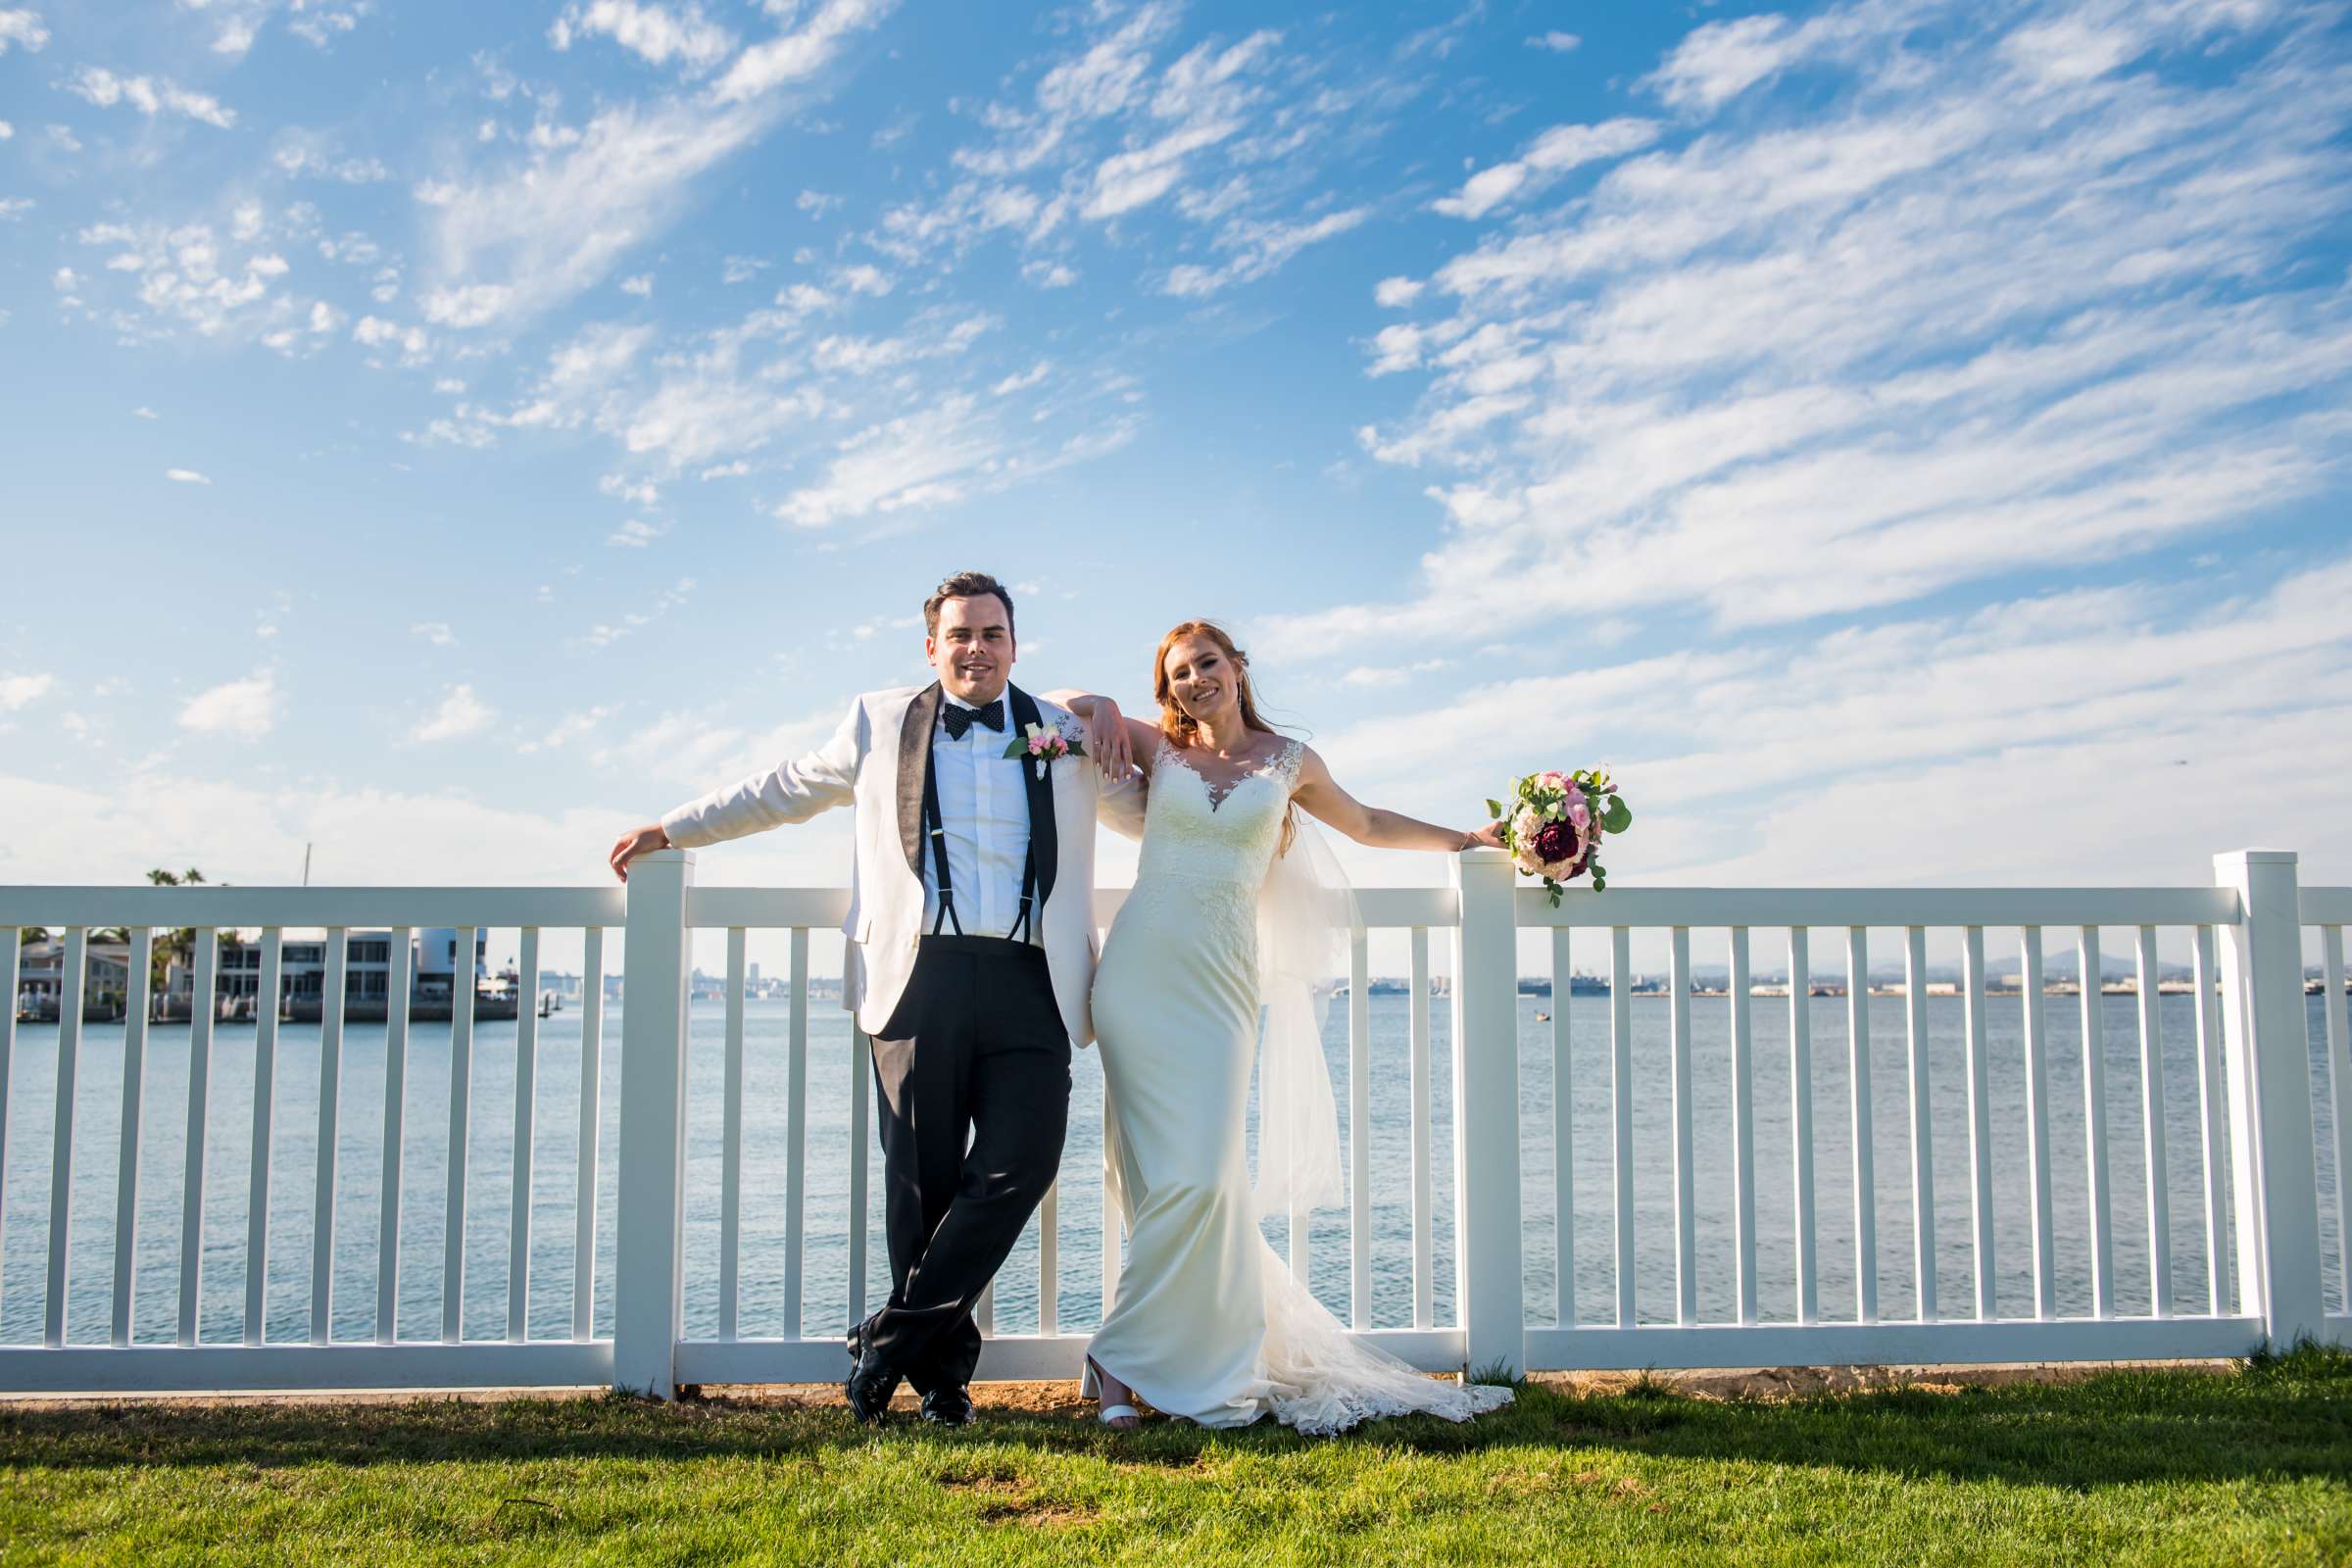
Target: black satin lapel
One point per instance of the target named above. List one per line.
(915, 754)
(1043, 837)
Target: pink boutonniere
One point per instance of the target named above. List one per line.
(1043, 745)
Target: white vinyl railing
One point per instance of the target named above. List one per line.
(2255, 1140)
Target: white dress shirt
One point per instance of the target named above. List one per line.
(984, 807)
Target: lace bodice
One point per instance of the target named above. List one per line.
(1215, 833)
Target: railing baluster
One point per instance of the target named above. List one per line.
(1801, 1120)
(1686, 1226)
(2339, 1090)
(861, 1069)
(141, 960)
(1865, 1194)
(795, 1132)
(2094, 1126)
(730, 1143)
(1621, 1093)
(1743, 1127)
(1923, 1135)
(461, 1094)
(266, 1002)
(1359, 1131)
(399, 980)
(10, 945)
(1424, 1270)
(203, 1004)
(1110, 1216)
(1980, 1126)
(1049, 1262)
(331, 1079)
(2151, 1116)
(2038, 1127)
(2212, 1115)
(61, 1152)
(583, 1219)
(526, 1082)
(1563, 1138)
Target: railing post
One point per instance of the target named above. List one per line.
(648, 1264)
(2274, 1166)
(1485, 1114)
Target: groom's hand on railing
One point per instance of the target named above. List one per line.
(635, 842)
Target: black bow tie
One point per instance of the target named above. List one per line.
(960, 719)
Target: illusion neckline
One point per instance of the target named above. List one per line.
(1218, 796)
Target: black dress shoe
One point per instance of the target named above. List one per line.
(948, 1406)
(869, 1388)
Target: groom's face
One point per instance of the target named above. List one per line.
(972, 648)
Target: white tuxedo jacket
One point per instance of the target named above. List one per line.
(874, 765)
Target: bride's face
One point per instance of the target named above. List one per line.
(1204, 681)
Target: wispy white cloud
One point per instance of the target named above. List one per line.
(655, 33)
(185, 476)
(797, 55)
(510, 243)
(303, 156)
(21, 691)
(149, 96)
(637, 533)
(1996, 738)
(917, 460)
(1554, 153)
(1953, 320)
(247, 708)
(436, 632)
(570, 727)
(1257, 249)
(460, 713)
(22, 26)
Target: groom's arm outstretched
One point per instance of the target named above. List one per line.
(789, 792)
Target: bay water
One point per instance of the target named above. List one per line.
(30, 1112)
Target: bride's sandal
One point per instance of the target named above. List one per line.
(1119, 1416)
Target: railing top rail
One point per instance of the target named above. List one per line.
(708, 909)
(1881, 907)
(2326, 905)
(63, 905)
(770, 908)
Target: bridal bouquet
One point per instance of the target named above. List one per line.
(1553, 822)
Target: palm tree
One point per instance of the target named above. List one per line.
(180, 943)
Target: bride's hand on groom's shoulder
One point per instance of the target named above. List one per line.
(635, 842)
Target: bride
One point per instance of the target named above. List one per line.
(1209, 1324)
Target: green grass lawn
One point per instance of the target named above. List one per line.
(2153, 1466)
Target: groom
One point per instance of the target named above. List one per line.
(967, 970)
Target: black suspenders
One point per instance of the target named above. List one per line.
(935, 830)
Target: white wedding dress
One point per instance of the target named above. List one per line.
(1208, 1322)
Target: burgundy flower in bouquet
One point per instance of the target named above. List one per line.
(1554, 822)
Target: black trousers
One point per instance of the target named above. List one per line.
(975, 1051)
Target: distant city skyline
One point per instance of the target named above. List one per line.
(1906, 439)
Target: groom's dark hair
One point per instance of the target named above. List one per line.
(965, 585)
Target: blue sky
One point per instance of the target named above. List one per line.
(1905, 439)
